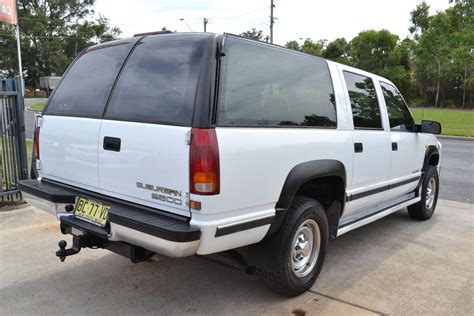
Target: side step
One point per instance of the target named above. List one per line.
(347, 227)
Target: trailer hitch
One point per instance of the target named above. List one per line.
(62, 253)
(87, 240)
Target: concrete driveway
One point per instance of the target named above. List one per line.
(393, 266)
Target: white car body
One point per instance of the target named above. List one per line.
(254, 165)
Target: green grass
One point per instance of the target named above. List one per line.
(29, 144)
(37, 107)
(7, 141)
(453, 122)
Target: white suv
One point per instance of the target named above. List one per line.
(197, 143)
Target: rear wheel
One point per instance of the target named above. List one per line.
(424, 209)
(296, 254)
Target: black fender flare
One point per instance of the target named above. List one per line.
(430, 152)
(301, 174)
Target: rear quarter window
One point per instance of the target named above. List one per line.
(86, 86)
(270, 86)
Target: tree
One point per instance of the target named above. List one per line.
(371, 50)
(443, 66)
(256, 35)
(53, 32)
(313, 48)
(461, 66)
(338, 51)
(309, 46)
(293, 45)
(420, 19)
(382, 53)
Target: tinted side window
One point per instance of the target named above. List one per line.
(365, 107)
(86, 86)
(268, 86)
(398, 113)
(158, 82)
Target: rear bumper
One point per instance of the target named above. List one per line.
(155, 230)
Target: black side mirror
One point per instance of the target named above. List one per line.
(429, 127)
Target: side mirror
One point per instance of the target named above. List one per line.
(429, 127)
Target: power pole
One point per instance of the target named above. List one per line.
(271, 20)
(205, 24)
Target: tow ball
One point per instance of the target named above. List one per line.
(62, 253)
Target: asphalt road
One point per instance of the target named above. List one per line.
(393, 266)
(457, 171)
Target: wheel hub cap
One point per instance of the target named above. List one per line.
(305, 250)
(430, 193)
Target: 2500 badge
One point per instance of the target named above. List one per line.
(162, 194)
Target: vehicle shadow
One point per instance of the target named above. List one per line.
(113, 285)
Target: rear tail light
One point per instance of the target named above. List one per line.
(204, 162)
(36, 143)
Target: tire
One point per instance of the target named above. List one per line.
(424, 209)
(291, 270)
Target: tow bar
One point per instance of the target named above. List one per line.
(62, 253)
(134, 253)
(79, 242)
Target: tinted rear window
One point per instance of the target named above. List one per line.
(269, 86)
(86, 86)
(159, 81)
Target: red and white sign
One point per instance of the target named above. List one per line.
(8, 12)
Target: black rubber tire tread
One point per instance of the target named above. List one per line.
(419, 211)
(277, 275)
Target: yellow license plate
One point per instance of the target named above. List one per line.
(92, 211)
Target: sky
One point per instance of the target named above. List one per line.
(297, 19)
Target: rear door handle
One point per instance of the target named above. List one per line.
(358, 147)
(394, 146)
(112, 143)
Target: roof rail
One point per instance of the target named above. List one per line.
(164, 31)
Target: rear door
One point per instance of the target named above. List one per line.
(71, 121)
(143, 149)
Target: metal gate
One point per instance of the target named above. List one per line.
(13, 158)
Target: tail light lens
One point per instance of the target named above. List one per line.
(204, 162)
(36, 140)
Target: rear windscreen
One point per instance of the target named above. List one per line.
(86, 86)
(158, 82)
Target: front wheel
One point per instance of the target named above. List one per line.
(296, 254)
(424, 209)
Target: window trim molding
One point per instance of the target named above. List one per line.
(374, 129)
